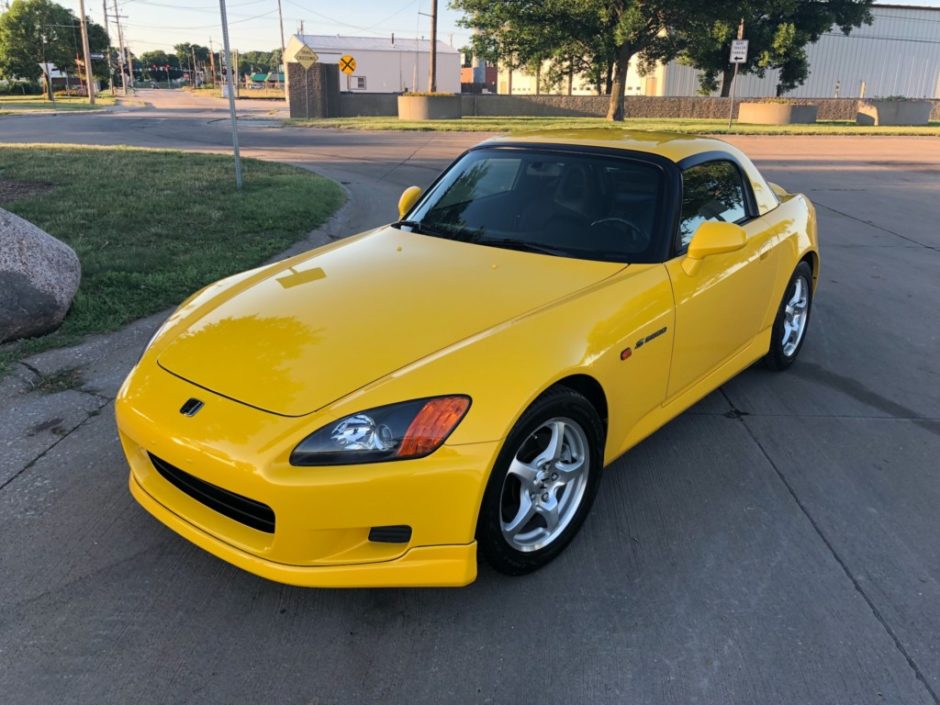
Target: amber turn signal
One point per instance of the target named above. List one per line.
(432, 425)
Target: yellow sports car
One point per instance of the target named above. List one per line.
(379, 410)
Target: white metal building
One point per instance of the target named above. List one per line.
(897, 55)
(383, 64)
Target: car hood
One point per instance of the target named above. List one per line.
(317, 327)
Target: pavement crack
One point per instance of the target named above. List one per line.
(92, 414)
(876, 226)
(918, 674)
(406, 159)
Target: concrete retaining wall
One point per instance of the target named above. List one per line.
(777, 114)
(368, 104)
(695, 107)
(424, 107)
(894, 112)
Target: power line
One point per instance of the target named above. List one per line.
(194, 27)
(875, 36)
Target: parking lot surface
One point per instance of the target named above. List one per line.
(778, 543)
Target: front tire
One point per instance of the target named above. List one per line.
(543, 484)
(789, 329)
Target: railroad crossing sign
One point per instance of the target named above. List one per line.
(739, 51)
(347, 64)
(306, 57)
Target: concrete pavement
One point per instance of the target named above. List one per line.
(778, 543)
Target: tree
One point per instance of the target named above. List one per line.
(777, 32)
(34, 33)
(608, 33)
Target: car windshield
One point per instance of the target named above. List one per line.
(581, 205)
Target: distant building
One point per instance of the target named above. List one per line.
(897, 55)
(383, 64)
(479, 77)
(59, 78)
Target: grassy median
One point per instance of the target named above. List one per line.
(18, 103)
(150, 227)
(523, 124)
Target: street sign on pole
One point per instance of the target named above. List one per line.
(306, 57)
(739, 51)
(738, 57)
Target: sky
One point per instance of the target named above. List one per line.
(253, 24)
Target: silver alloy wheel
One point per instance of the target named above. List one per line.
(795, 315)
(545, 484)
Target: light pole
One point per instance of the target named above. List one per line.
(231, 95)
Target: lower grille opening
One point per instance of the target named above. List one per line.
(242, 509)
(390, 534)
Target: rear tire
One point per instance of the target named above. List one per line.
(543, 484)
(789, 329)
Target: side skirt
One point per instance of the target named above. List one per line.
(754, 350)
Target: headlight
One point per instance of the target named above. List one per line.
(411, 429)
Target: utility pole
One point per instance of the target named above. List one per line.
(104, 11)
(87, 52)
(123, 55)
(281, 63)
(432, 64)
(192, 76)
(231, 96)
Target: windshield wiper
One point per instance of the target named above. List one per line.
(522, 246)
(422, 229)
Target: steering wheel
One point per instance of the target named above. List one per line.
(638, 239)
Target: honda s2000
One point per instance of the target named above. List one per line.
(378, 411)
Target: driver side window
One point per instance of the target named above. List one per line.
(710, 191)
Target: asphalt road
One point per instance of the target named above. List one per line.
(778, 543)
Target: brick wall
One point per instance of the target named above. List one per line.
(314, 92)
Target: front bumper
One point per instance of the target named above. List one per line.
(322, 515)
(422, 566)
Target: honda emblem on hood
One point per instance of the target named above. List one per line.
(191, 407)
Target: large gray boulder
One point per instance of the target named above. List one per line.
(39, 276)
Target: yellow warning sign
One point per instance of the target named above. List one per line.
(306, 57)
(347, 64)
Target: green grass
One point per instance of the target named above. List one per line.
(150, 227)
(17, 103)
(522, 124)
(243, 93)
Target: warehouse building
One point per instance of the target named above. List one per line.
(897, 55)
(383, 64)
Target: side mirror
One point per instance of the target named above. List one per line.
(713, 238)
(407, 200)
